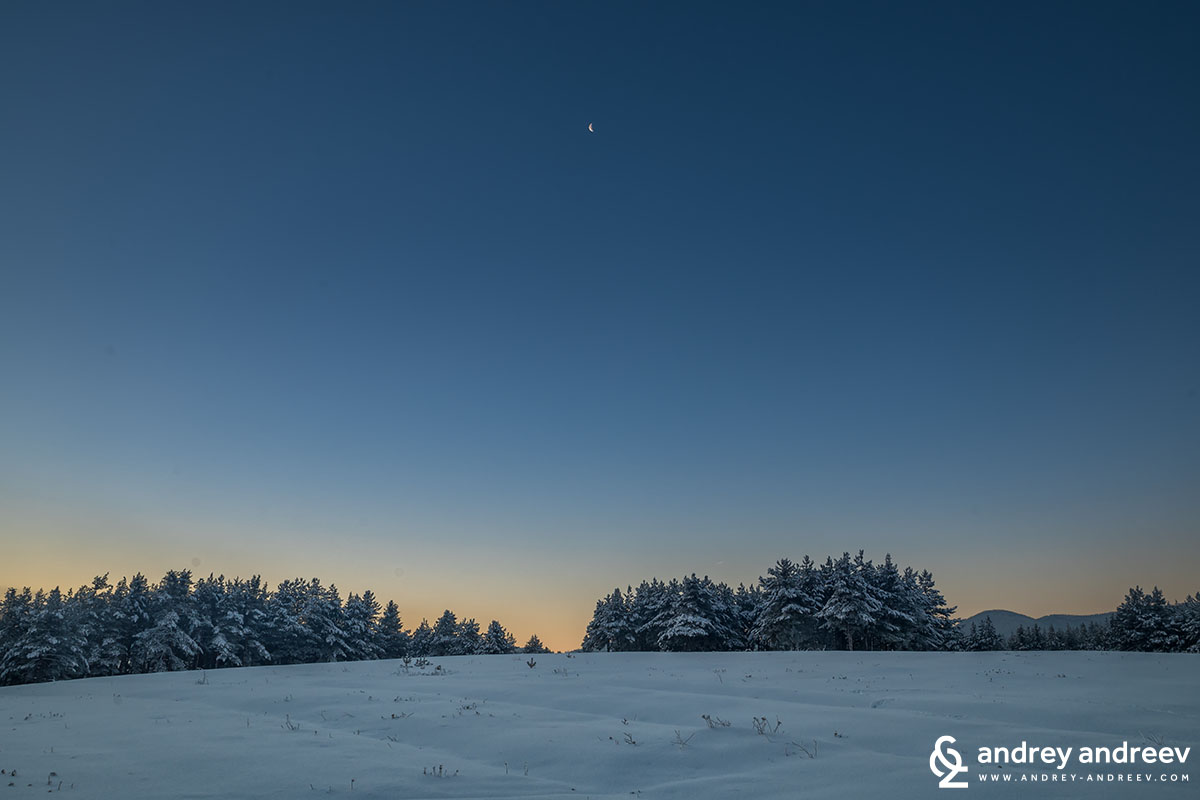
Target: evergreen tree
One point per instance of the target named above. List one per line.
(895, 625)
(497, 641)
(748, 601)
(785, 611)
(611, 627)
(360, 613)
(988, 638)
(89, 612)
(325, 620)
(1143, 622)
(470, 641)
(695, 622)
(220, 625)
(445, 636)
(851, 607)
(1189, 624)
(649, 611)
(534, 645)
(129, 618)
(167, 645)
(48, 648)
(285, 636)
(422, 643)
(390, 634)
(16, 618)
(936, 629)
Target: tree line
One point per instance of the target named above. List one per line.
(136, 627)
(852, 603)
(848, 603)
(1144, 622)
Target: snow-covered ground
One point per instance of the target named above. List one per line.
(598, 725)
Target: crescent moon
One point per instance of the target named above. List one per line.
(590, 128)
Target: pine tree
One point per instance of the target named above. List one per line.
(649, 611)
(611, 627)
(1189, 624)
(285, 635)
(470, 641)
(360, 613)
(48, 647)
(497, 641)
(895, 625)
(390, 635)
(851, 607)
(748, 600)
(325, 620)
(989, 639)
(167, 645)
(936, 628)
(129, 617)
(786, 611)
(695, 622)
(220, 624)
(16, 618)
(89, 614)
(421, 644)
(1144, 622)
(445, 636)
(534, 646)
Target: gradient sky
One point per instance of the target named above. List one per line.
(349, 290)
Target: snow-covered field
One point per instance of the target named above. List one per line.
(598, 725)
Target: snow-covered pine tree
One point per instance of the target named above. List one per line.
(497, 641)
(748, 600)
(470, 641)
(851, 607)
(665, 603)
(248, 598)
(1019, 639)
(1188, 615)
(218, 624)
(1037, 638)
(89, 611)
(594, 638)
(325, 619)
(390, 635)
(285, 635)
(16, 617)
(1131, 623)
(129, 612)
(896, 622)
(988, 638)
(611, 626)
(814, 583)
(1167, 635)
(167, 645)
(649, 610)
(445, 636)
(49, 647)
(941, 614)
(785, 611)
(360, 613)
(727, 616)
(534, 646)
(693, 624)
(421, 643)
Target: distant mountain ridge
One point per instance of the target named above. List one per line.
(1007, 622)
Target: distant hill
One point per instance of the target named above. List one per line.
(1007, 622)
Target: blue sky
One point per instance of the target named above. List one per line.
(352, 291)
